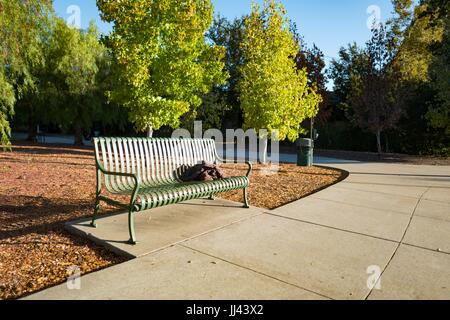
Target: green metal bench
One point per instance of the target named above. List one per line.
(149, 171)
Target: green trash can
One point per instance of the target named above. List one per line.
(305, 152)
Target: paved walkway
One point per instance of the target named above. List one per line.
(387, 220)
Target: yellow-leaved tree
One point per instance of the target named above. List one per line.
(274, 94)
(163, 63)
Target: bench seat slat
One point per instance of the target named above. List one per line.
(160, 196)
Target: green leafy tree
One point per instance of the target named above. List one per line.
(225, 99)
(310, 58)
(7, 100)
(109, 115)
(414, 55)
(313, 61)
(398, 25)
(163, 63)
(23, 26)
(366, 81)
(439, 113)
(352, 60)
(75, 57)
(373, 97)
(422, 59)
(274, 94)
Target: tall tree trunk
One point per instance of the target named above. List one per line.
(263, 152)
(150, 131)
(78, 133)
(312, 129)
(380, 150)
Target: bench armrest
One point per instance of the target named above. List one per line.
(120, 174)
(136, 179)
(248, 163)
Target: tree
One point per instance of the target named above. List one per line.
(313, 61)
(414, 56)
(372, 98)
(7, 100)
(310, 58)
(352, 60)
(109, 114)
(398, 26)
(163, 63)
(74, 61)
(365, 79)
(422, 60)
(23, 26)
(274, 94)
(225, 98)
(439, 113)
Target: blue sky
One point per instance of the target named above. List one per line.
(329, 24)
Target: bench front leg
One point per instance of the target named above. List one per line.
(131, 207)
(131, 230)
(97, 199)
(248, 174)
(131, 213)
(246, 202)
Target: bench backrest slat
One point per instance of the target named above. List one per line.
(155, 160)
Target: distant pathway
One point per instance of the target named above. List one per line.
(283, 157)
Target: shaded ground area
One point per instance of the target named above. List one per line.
(42, 187)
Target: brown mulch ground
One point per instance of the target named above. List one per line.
(42, 187)
(272, 187)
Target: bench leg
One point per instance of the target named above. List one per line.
(96, 210)
(212, 197)
(131, 227)
(246, 203)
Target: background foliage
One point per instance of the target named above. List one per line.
(169, 62)
(163, 63)
(416, 42)
(23, 30)
(274, 93)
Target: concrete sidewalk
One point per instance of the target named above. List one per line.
(387, 220)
